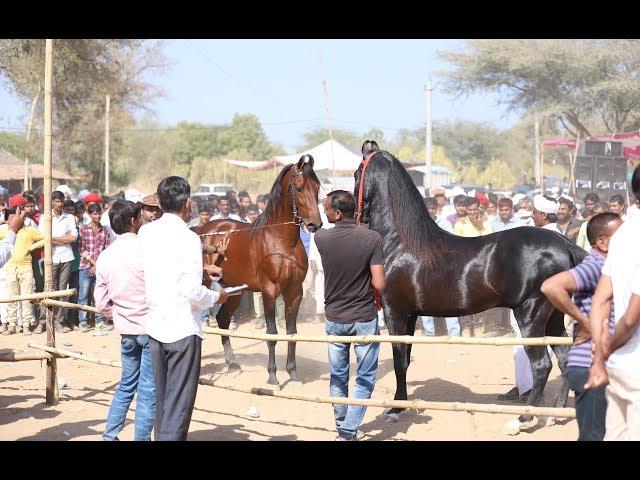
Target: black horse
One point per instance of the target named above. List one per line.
(432, 272)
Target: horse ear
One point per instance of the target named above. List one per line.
(310, 160)
(301, 162)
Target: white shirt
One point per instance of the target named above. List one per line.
(232, 216)
(633, 211)
(623, 267)
(553, 226)
(61, 226)
(444, 224)
(172, 258)
(105, 221)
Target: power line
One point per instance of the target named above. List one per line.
(232, 77)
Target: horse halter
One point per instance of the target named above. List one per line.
(364, 163)
(297, 219)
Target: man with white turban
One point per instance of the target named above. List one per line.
(545, 210)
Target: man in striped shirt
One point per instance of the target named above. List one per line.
(581, 281)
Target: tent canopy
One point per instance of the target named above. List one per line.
(630, 142)
(329, 155)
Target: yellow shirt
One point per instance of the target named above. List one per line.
(467, 229)
(27, 239)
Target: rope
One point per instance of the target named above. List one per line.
(227, 232)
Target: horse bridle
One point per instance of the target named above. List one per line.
(297, 219)
(364, 163)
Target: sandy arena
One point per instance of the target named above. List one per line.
(438, 372)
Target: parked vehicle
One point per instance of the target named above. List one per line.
(207, 189)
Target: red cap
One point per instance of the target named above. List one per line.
(92, 198)
(17, 201)
(483, 198)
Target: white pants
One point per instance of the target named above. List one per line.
(524, 378)
(318, 287)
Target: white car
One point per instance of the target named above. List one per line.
(207, 189)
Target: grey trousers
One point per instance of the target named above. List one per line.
(176, 369)
(61, 275)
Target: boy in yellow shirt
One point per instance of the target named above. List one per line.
(19, 274)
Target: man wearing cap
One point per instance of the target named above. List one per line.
(18, 272)
(151, 209)
(67, 192)
(568, 225)
(545, 210)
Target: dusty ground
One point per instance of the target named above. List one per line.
(438, 373)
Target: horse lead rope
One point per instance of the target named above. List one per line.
(227, 232)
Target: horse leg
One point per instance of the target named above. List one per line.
(224, 318)
(411, 328)
(532, 317)
(556, 328)
(269, 295)
(292, 300)
(397, 323)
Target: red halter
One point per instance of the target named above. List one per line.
(365, 162)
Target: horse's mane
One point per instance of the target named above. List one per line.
(416, 229)
(276, 195)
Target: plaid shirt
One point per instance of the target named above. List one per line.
(92, 242)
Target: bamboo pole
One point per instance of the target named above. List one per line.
(39, 296)
(57, 303)
(51, 380)
(68, 353)
(409, 404)
(403, 339)
(23, 356)
(26, 143)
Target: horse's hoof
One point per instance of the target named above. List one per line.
(391, 417)
(275, 387)
(234, 367)
(546, 421)
(513, 427)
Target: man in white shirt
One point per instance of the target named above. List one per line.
(63, 233)
(172, 258)
(224, 208)
(620, 281)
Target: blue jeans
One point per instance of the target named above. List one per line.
(453, 326)
(591, 405)
(137, 375)
(86, 281)
(349, 417)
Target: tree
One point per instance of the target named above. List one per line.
(577, 83)
(84, 71)
(245, 133)
(498, 174)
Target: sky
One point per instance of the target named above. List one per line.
(370, 83)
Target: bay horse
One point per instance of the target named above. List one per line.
(269, 256)
(432, 272)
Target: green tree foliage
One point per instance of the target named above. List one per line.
(84, 72)
(246, 134)
(587, 86)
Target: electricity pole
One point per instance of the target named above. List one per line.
(427, 173)
(106, 146)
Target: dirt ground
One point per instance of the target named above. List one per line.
(438, 372)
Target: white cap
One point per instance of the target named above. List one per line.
(133, 195)
(545, 205)
(564, 195)
(517, 197)
(64, 189)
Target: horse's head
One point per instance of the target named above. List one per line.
(302, 185)
(366, 179)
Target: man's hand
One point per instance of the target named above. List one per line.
(583, 336)
(597, 375)
(213, 270)
(477, 222)
(92, 271)
(223, 297)
(223, 245)
(605, 347)
(16, 221)
(209, 249)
